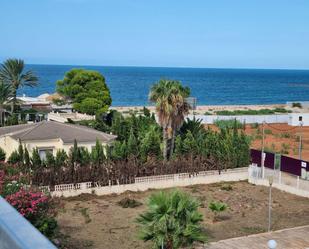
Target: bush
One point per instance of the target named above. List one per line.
(129, 203)
(11, 188)
(217, 207)
(296, 104)
(36, 208)
(228, 124)
(47, 226)
(14, 158)
(2, 155)
(172, 220)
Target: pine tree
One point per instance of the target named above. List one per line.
(132, 146)
(97, 153)
(50, 160)
(27, 158)
(35, 159)
(61, 157)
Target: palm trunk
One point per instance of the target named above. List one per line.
(165, 141)
(13, 101)
(172, 143)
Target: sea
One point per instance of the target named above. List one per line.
(129, 86)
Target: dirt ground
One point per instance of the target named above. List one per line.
(89, 221)
(279, 138)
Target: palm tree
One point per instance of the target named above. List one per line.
(12, 72)
(6, 94)
(171, 108)
(171, 221)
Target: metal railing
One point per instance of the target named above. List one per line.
(18, 233)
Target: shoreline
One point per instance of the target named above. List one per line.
(201, 109)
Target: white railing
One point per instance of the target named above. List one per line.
(281, 180)
(159, 181)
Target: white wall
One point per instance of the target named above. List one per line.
(155, 182)
(248, 119)
(294, 119)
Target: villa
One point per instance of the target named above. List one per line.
(50, 136)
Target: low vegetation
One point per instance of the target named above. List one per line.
(252, 112)
(171, 221)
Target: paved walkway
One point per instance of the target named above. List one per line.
(292, 238)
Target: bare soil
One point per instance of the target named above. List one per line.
(89, 221)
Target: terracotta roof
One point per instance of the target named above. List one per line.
(53, 130)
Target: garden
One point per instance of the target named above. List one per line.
(89, 221)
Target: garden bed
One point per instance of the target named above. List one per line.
(89, 221)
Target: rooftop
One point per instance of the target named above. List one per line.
(46, 130)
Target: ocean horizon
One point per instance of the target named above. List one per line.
(130, 85)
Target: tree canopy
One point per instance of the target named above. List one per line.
(86, 90)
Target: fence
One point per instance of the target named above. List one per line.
(248, 119)
(286, 164)
(284, 181)
(152, 182)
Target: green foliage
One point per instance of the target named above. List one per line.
(268, 132)
(50, 159)
(47, 226)
(35, 159)
(169, 97)
(172, 220)
(11, 188)
(87, 90)
(12, 72)
(217, 207)
(2, 154)
(14, 158)
(150, 144)
(296, 104)
(97, 153)
(27, 158)
(61, 158)
(228, 124)
(252, 112)
(129, 203)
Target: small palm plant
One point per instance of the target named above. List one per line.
(172, 221)
(217, 207)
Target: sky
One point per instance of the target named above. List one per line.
(167, 33)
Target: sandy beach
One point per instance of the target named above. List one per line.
(202, 109)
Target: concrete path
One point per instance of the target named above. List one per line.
(292, 238)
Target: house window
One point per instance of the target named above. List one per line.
(44, 151)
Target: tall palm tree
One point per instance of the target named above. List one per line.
(12, 72)
(6, 94)
(171, 108)
(171, 221)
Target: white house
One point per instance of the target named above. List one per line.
(50, 136)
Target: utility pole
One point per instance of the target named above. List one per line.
(262, 156)
(300, 140)
(269, 202)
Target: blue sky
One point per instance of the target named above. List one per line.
(180, 33)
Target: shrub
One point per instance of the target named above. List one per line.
(11, 188)
(14, 157)
(129, 203)
(172, 220)
(229, 124)
(217, 207)
(226, 187)
(2, 155)
(297, 104)
(36, 208)
(254, 125)
(268, 132)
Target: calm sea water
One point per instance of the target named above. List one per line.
(130, 85)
